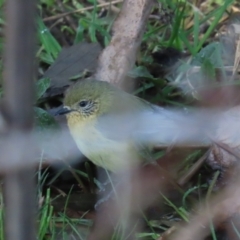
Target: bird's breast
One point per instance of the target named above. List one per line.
(110, 154)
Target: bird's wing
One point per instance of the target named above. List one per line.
(150, 125)
(164, 126)
(118, 126)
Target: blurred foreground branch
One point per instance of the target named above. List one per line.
(19, 189)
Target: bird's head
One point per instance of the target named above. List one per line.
(88, 99)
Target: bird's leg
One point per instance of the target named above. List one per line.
(113, 183)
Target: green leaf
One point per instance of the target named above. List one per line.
(43, 119)
(80, 31)
(42, 85)
(140, 71)
(49, 43)
(49, 3)
(211, 54)
(208, 69)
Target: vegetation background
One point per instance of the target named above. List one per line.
(184, 41)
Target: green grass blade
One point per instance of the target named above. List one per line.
(196, 29)
(214, 23)
(47, 41)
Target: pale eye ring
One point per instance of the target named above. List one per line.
(83, 103)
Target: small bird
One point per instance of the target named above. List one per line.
(114, 129)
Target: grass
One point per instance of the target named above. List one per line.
(52, 226)
(183, 32)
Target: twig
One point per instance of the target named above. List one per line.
(112, 7)
(80, 10)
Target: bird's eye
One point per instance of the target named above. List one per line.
(83, 103)
(87, 107)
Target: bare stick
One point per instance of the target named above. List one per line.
(119, 57)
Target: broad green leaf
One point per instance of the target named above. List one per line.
(140, 71)
(42, 85)
(49, 43)
(212, 53)
(43, 119)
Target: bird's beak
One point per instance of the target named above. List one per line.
(63, 110)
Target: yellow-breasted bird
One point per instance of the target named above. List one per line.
(112, 128)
